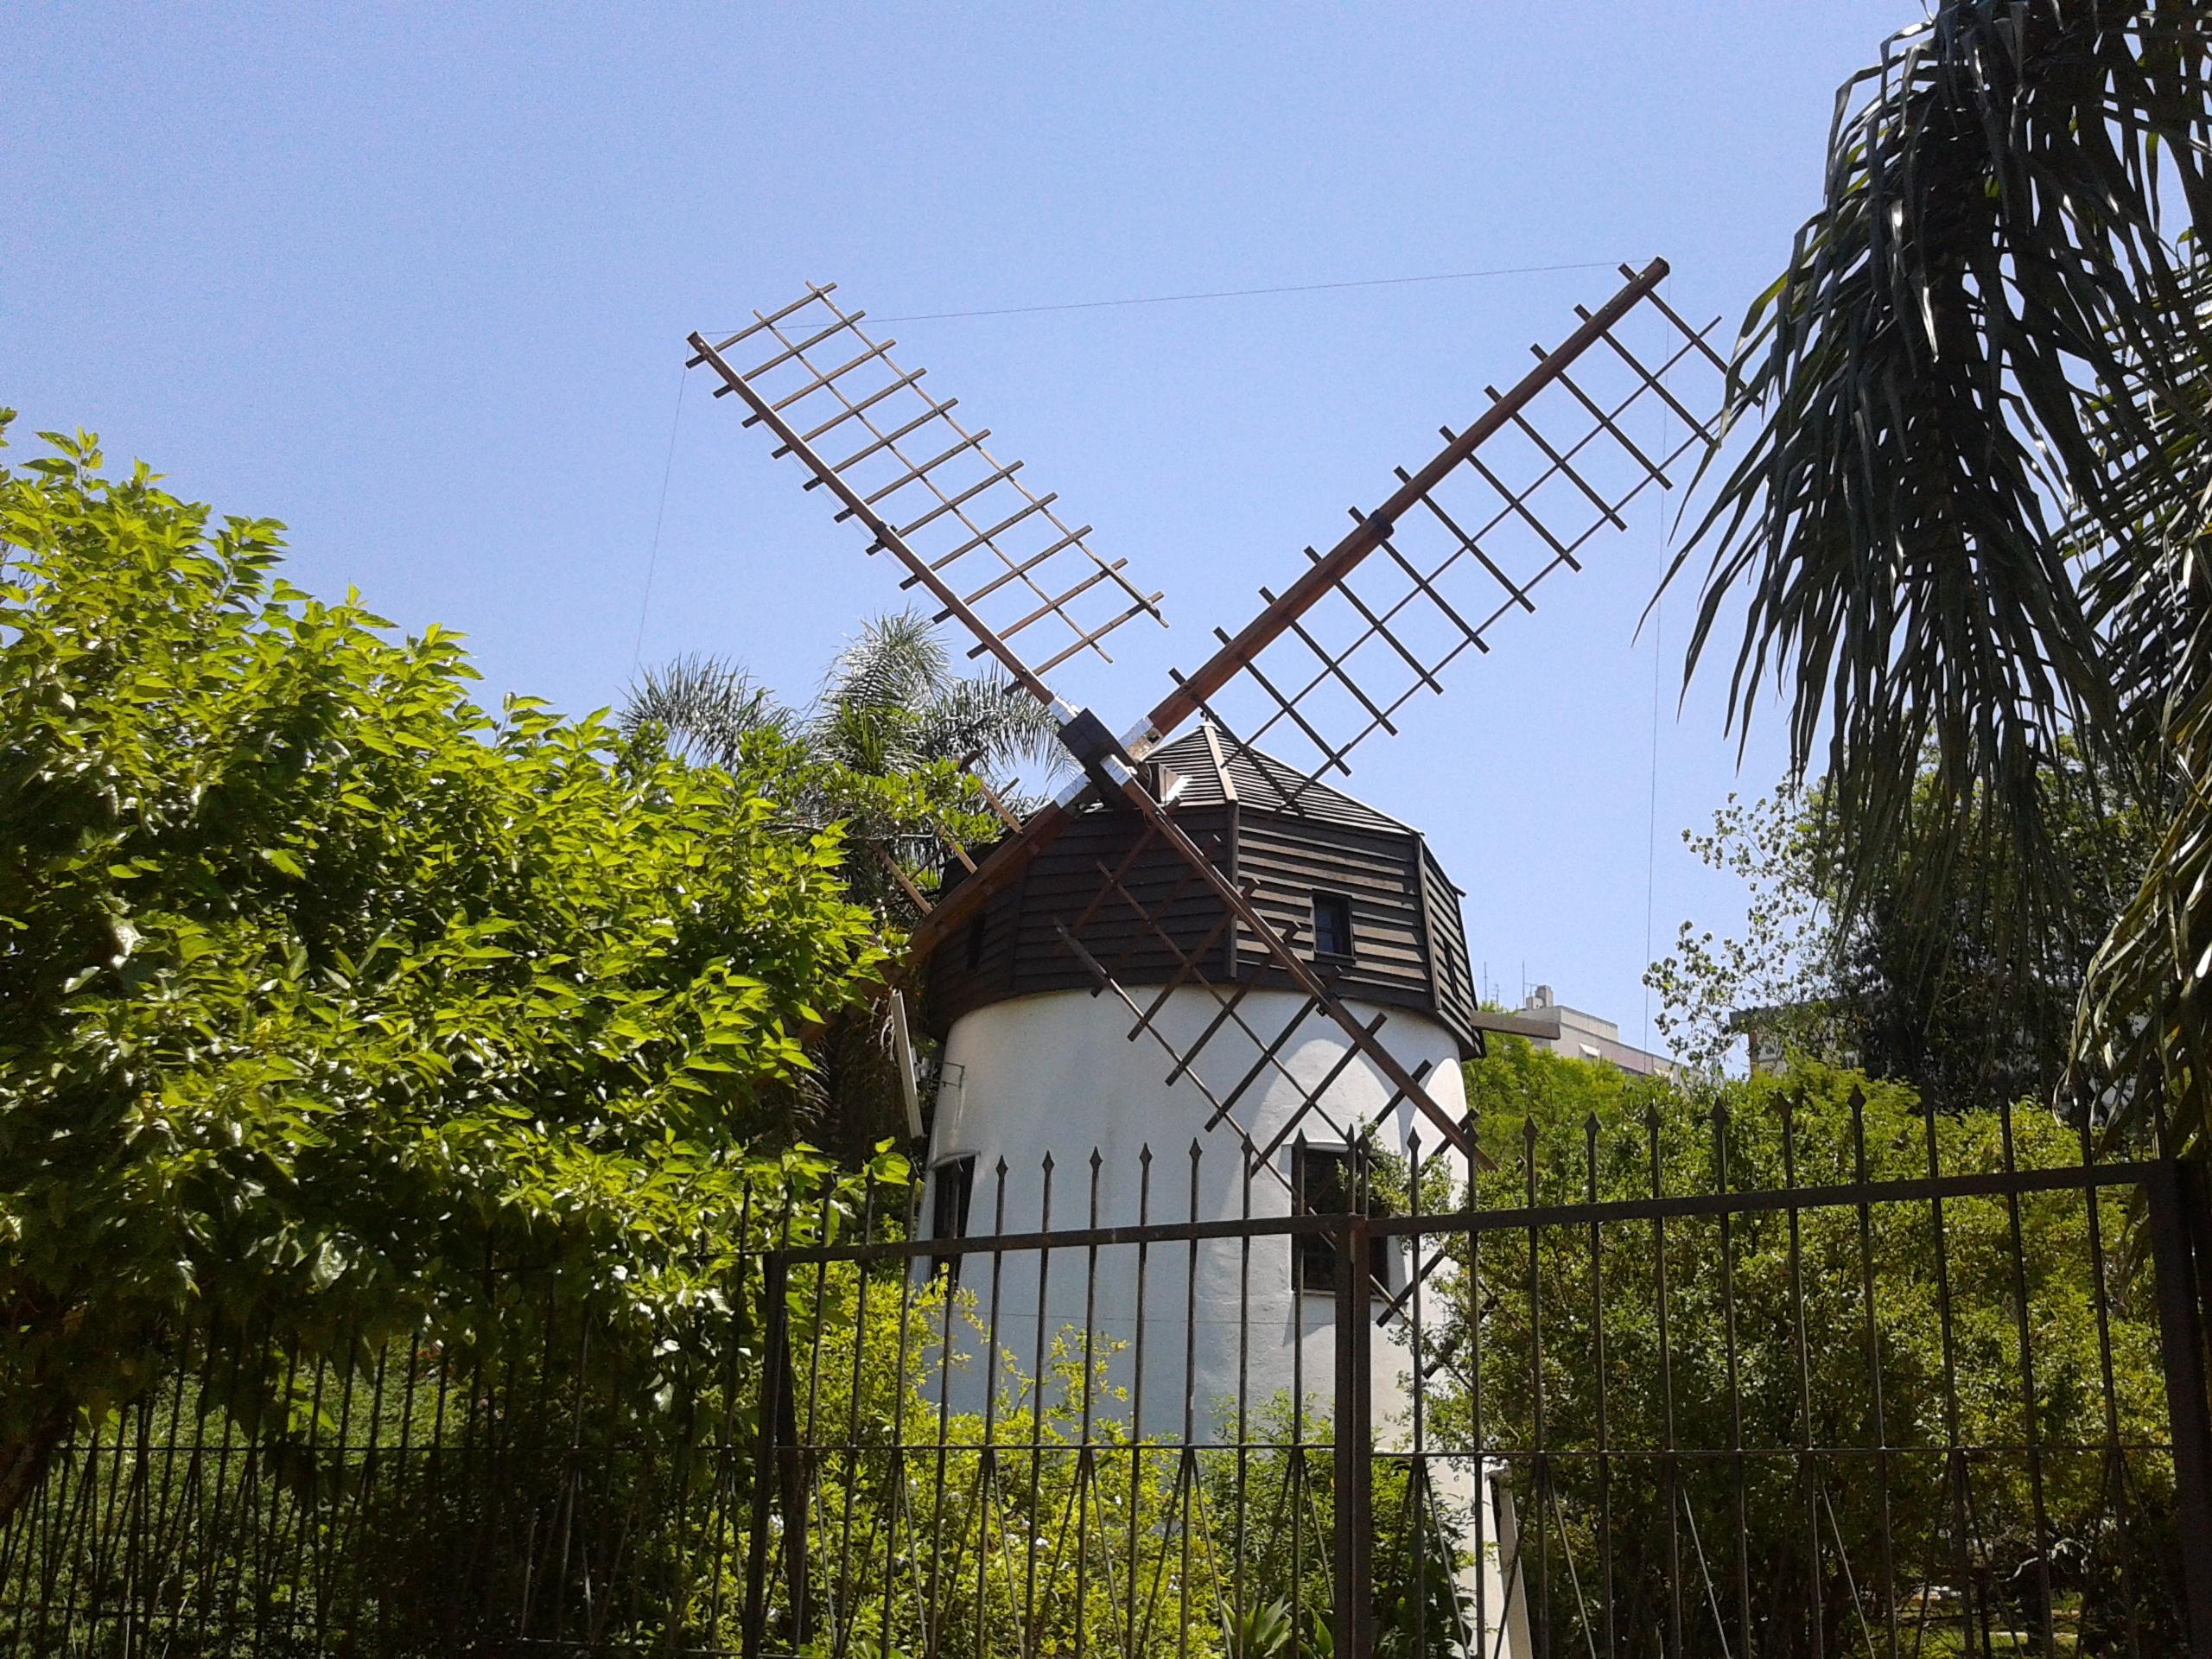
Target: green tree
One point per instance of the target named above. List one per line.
(1965, 512)
(900, 752)
(1784, 1327)
(1911, 980)
(323, 991)
(891, 706)
(1776, 972)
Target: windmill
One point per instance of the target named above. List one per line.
(1202, 938)
(1327, 664)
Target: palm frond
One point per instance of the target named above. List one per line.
(896, 661)
(994, 720)
(707, 705)
(2143, 1035)
(1953, 415)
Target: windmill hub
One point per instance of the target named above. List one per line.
(1105, 763)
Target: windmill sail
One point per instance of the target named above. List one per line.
(1549, 467)
(995, 556)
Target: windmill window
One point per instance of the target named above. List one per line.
(952, 1184)
(1332, 924)
(1335, 1181)
(976, 945)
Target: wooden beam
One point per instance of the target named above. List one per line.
(1315, 582)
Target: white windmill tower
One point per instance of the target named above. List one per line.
(1202, 943)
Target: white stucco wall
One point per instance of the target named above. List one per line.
(1057, 1074)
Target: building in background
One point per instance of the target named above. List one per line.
(1549, 1023)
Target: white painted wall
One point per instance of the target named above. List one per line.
(1057, 1074)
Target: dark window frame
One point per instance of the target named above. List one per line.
(1313, 1256)
(1332, 930)
(952, 1191)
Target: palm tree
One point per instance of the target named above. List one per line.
(892, 708)
(1968, 486)
(893, 701)
(706, 708)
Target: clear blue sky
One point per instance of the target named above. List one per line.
(415, 280)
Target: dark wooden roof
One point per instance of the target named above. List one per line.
(1264, 824)
(1217, 772)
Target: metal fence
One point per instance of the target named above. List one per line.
(1692, 1391)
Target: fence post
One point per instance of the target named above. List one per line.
(792, 1473)
(775, 1272)
(1354, 1448)
(2181, 1338)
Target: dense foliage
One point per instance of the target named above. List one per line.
(1829, 1328)
(327, 999)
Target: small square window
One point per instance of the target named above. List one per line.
(952, 1184)
(1332, 924)
(1334, 1181)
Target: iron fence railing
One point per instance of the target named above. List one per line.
(1784, 1400)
